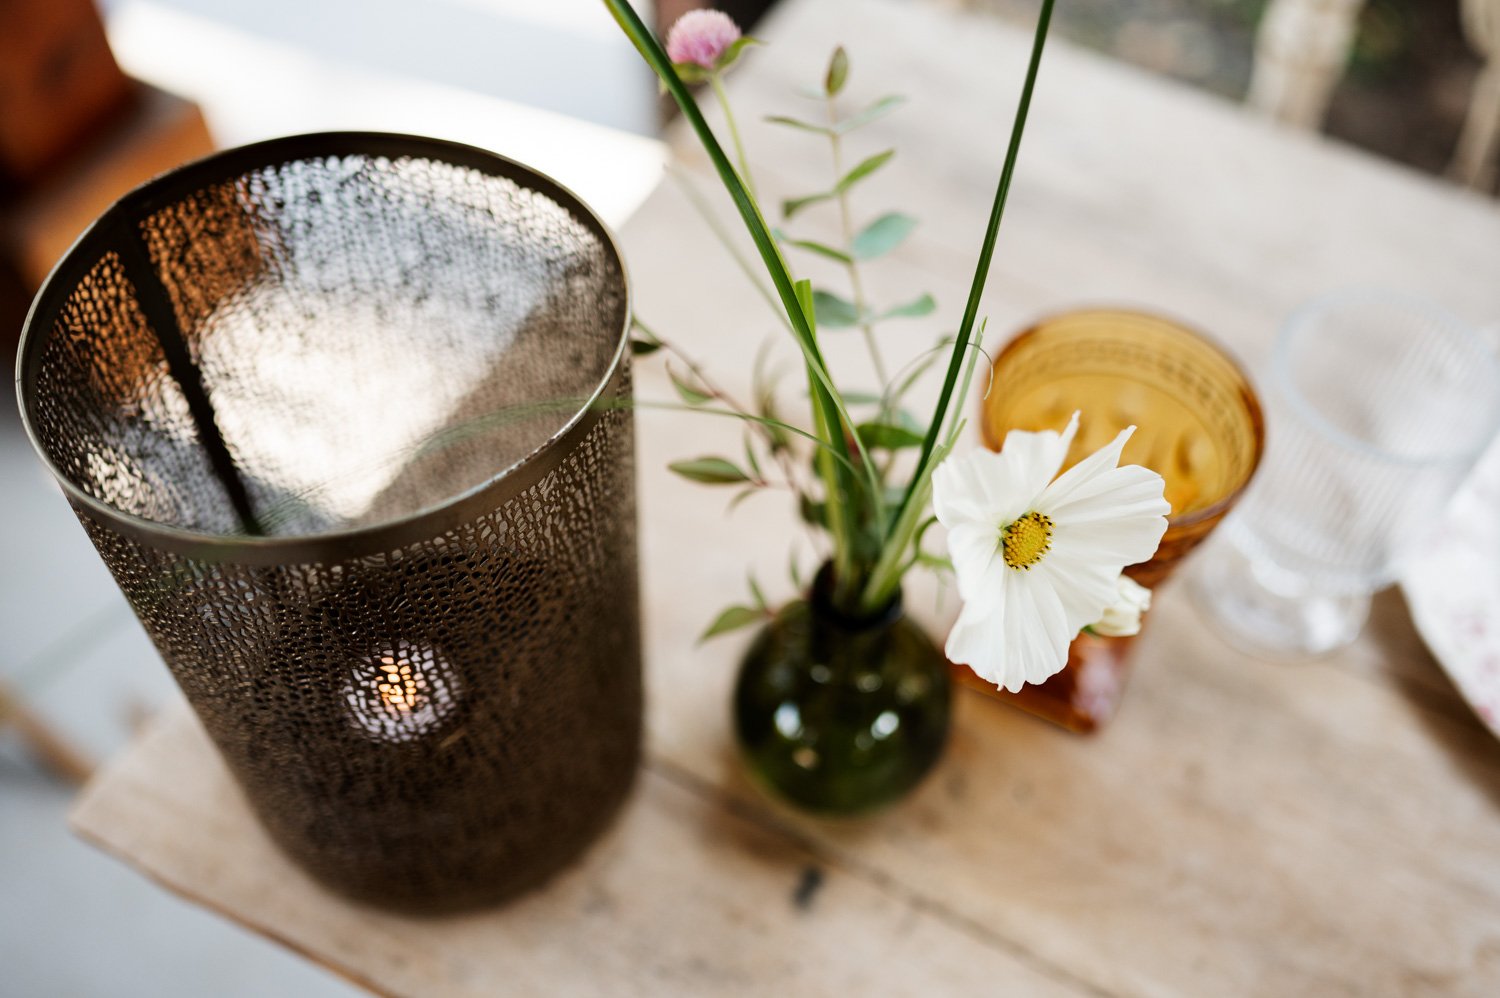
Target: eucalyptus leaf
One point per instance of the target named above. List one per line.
(863, 170)
(838, 72)
(914, 309)
(760, 597)
(750, 460)
(882, 235)
(806, 126)
(732, 619)
(642, 348)
(879, 109)
(834, 312)
(813, 247)
(814, 512)
(690, 394)
(888, 436)
(790, 207)
(710, 471)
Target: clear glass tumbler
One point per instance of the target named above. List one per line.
(1377, 406)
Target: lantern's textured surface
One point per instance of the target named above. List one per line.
(347, 417)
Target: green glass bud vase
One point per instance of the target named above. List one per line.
(841, 715)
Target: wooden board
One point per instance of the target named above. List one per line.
(1242, 828)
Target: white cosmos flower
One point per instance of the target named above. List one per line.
(1038, 559)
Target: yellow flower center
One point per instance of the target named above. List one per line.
(1023, 543)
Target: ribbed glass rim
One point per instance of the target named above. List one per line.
(1253, 408)
(1303, 319)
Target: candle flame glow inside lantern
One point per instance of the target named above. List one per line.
(402, 692)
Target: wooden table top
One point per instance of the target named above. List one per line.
(1242, 827)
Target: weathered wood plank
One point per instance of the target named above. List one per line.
(680, 897)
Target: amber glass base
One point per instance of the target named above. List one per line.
(1083, 696)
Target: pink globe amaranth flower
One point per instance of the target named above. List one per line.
(701, 37)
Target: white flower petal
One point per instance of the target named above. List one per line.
(1106, 458)
(1112, 544)
(974, 550)
(995, 488)
(1122, 618)
(1084, 587)
(978, 641)
(1036, 458)
(1111, 493)
(1038, 638)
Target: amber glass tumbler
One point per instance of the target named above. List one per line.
(1198, 424)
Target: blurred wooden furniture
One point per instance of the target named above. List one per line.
(75, 134)
(1474, 161)
(1301, 49)
(58, 82)
(1242, 828)
(50, 748)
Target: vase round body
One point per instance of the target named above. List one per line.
(841, 715)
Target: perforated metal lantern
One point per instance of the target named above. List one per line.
(344, 415)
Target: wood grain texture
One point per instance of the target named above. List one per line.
(1241, 828)
(681, 896)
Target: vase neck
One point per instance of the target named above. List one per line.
(849, 618)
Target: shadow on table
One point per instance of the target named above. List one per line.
(1436, 701)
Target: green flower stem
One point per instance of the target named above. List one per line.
(716, 80)
(885, 578)
(828, 405)
(922, 472)
(838, 523)
(706, 212)
(861, 305)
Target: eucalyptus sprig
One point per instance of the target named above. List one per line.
(875, 527)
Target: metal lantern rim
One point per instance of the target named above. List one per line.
(344, 543)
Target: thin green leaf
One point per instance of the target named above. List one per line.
(879, 109)
(888, 436)
(798, 123)
(863, 398)
(914, 309)
(882, 235)
(741, 497)
(710, 471)
(732, 619)
(813, 247)
(643, 348)
(733, 52)
(918, 368)
(750, 460)
(834, 312)
(760, 597)
(866, 167)
(793, 569)
(838, 72)
(921, 478)
(691, 394)
(792, 206)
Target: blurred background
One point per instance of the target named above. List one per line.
(96, 99)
